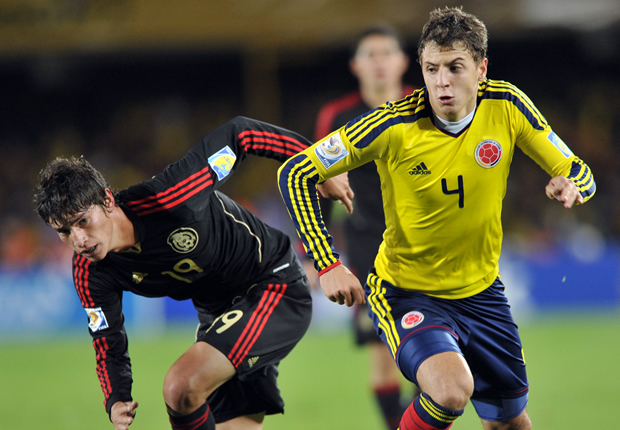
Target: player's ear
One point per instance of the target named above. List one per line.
(482, 69)
(109, 200)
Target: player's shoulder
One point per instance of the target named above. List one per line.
(512, 98)
(406, 110)
(495, 89)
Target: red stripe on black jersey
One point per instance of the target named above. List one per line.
(80, 278)
(254, 139)
(101, 347)
(257, 322)
(174, 195)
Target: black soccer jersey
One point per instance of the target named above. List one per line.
(194, 243)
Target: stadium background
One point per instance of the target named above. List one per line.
(132, 84)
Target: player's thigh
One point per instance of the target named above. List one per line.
(198, 372)
(411, 324)
(495, 356)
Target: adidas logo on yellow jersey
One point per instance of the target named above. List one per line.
(420, 169)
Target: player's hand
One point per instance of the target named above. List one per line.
(342, 286)
(337, 188)
(123, 414)
(564, 190)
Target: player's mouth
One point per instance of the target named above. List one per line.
(90, 252)
(445, 100)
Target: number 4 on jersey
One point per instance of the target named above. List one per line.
(460, 190)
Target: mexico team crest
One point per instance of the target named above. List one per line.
(411, 319)
(488, 153)
(183, 240)
(331, 151)
(222, 162)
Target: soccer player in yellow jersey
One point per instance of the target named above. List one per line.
(443, 154)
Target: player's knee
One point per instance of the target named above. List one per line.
(453, 392)
(455, 398)
(181, 395)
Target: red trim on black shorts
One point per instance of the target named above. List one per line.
(269, 301)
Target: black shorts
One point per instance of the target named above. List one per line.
(257, 331)
(363, 326)
(362, 246)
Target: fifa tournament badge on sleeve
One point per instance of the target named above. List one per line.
(222, 162)
(559, 144)
(330, 151)
(96, 319)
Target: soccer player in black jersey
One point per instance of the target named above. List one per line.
(379, 63)
(175, 235)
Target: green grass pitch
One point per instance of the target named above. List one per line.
(573, 366)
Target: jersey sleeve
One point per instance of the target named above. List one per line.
(335, 154)
(539, 142)
(103, 307)
(209, 163)
(229, 144)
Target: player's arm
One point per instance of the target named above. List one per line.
(103, 308)
(113, 362)
(216, 156)
(571, 179)
(267, 140)
(298, 179)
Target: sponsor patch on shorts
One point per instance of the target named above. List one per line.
(559, 143)
(96, 319)
(331, 151)
(411, 319)
(222, 162)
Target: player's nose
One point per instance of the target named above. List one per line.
(442, 78)
(79, 238)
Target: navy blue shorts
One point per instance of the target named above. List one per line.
(416, 326)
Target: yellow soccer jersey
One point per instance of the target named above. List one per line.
(442, 193)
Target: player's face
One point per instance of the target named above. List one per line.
(451, 77)
(89, 233)
(379, 63)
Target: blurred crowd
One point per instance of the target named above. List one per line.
(131, 129)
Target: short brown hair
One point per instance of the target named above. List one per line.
(452, 26)
(68, 186)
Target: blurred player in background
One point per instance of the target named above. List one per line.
(443, 154)
(175, 235)
(379, 62)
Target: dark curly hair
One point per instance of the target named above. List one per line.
(452, 26)
(68, 186)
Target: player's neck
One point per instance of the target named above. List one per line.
(375, 97)
(126, 235)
